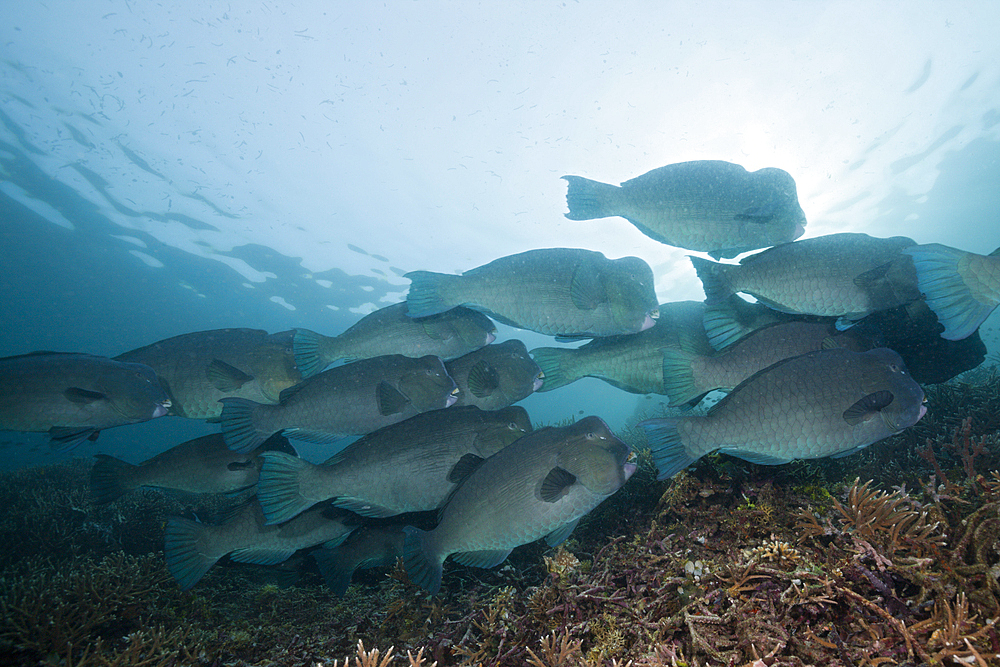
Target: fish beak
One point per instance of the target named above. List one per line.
(452, 398)
(162, 409)
(538, 382)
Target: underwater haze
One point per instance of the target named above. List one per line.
(181, 167)
(176, 167)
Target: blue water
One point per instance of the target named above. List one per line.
(173, 169)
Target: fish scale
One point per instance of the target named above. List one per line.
(825, 403)
(839, 275)
(554, 291)
(503, 503)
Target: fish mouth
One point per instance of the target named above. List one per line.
(538, 382)
(896, 428)
(650, 320)
(490, 337)
(452, 398)
(629, 469)
(799, 231)
(161, 409)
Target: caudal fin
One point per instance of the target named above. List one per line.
(307, 348)
(678, 378)
(279, 487)
(423, 569)
(110, 479)
(238, 428)
(669, 453)
(588, 200)
(425, 297)
(714, 278)
(181, 551)
(335, 568)
(959, 305)
(552, 361)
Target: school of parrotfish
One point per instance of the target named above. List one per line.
(829, 360)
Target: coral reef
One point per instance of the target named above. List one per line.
(887, 557)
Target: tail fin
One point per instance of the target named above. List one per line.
(422, 569)
(959, 305)
(238, 429)
(678, 378)
(669, 453)
(309, 359)
(588, 200)
(279, 487)
(181, 551)
(335, 568)
(424, 297)
(110, 479)
(555, 372)
(722, 326)
(714, 278)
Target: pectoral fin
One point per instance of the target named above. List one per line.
(586, 290)
(866, 279)
(867, 407)
(760, 214)
(465, 467)
(483, 379)
(224, 377)
(390, 400)
(556, 483)
(84, 396)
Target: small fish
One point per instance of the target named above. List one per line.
(962, 288)
(832, 402)
(633, 363)
(688, 375)
(554, 291)
(353, 399)
(202, 465)
(389, 330)
(74, 396)
(539, 486)
(495, 376)
(411, 466)
(707, 205)
(198, 369)
(191, 548)
(365, 548)
(839, 275)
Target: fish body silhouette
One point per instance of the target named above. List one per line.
(200, 368)
(633, 363)
(202, 465)
(411, 466)
(839, 275)
(74, 396)
(554, 291)
(707, 205)
(828, 403)
(352, 399)
(539, 486)
(390, 331)
(495, 376)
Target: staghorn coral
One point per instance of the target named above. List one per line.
(867, 583)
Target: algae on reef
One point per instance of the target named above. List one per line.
(888, 556)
